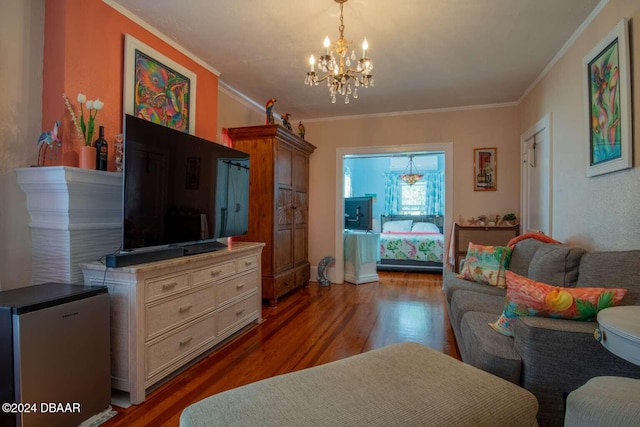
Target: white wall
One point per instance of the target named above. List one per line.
(21, 44)
(602, 212)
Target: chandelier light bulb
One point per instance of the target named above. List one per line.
(365, 46)
(312, 62)
(327, 43)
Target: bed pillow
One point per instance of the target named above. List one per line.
(526, 297)
(486, 264)
(403, 226)
(425, 227)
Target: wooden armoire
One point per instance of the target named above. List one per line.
(278, 204)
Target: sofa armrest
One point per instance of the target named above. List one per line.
(558, 356)
(565, 351)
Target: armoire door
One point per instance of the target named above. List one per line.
(283, 247)
(301, 207)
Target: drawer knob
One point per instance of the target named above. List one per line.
(239, 312)
(186, 341)
(216, 272)
(248, 262)
(168, 286)
(598, 335)
(185, 308)
(240, 286)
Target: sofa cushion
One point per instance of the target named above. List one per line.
(465, 301)
(486, 264)
(489, 351)
(526, 297)
(452, 283)
(555, 265)
(522, 254)
(612, 270)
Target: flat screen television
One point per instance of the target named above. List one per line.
(358, 213)
(180, 189)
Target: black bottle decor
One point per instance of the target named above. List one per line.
(102, 149)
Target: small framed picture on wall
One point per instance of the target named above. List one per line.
(485, 169)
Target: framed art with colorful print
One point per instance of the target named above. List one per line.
(157, 88)
(608, 100)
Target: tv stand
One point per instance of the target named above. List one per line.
(165, 314)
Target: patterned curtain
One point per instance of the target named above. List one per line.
(435, 193)
(391, 191)
(434, 185)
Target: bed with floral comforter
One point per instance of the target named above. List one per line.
(412, 243)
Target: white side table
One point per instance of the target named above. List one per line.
(608, 400)
(620, 331)
(361, 252)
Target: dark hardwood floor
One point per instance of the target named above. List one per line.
(312, 326)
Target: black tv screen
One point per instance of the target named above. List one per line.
(179, 188)
(358, 213)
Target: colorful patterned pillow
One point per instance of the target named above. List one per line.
(526, 297)
(486, 264)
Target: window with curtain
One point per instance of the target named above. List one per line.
(425, 197)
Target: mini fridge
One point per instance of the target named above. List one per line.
(54, 354)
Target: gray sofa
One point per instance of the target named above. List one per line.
(548, 357)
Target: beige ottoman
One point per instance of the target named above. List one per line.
(405, 384)
(604, 401)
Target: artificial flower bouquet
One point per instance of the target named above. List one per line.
(84, 130)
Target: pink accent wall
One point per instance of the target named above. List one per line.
(84, 52)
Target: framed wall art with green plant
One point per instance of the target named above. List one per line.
(608, 99)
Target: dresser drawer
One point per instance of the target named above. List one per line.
(284, 283)
(236, 287)
(212, 273)
(231, 316)
(247, 263)
(302, 275)
(161, 353)
(168, 285)
(165, 314)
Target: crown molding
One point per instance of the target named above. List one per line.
(141, 22)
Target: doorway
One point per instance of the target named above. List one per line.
(536, 199)
(341, 153)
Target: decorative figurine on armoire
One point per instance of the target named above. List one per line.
(301, 129)
(285, 120)
(269, 108)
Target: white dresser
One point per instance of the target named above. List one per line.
(164, 314)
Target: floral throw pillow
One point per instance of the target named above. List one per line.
(486, 264)
(526, 297)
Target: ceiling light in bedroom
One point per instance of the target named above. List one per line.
(411, 177)
(339, 73)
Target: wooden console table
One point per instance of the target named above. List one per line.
(480, 235)
(166, 313)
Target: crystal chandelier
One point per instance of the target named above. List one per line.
(338, 73)
(411, 177)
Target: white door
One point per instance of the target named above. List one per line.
(536, 179)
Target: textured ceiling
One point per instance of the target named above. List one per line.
(428, 54)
